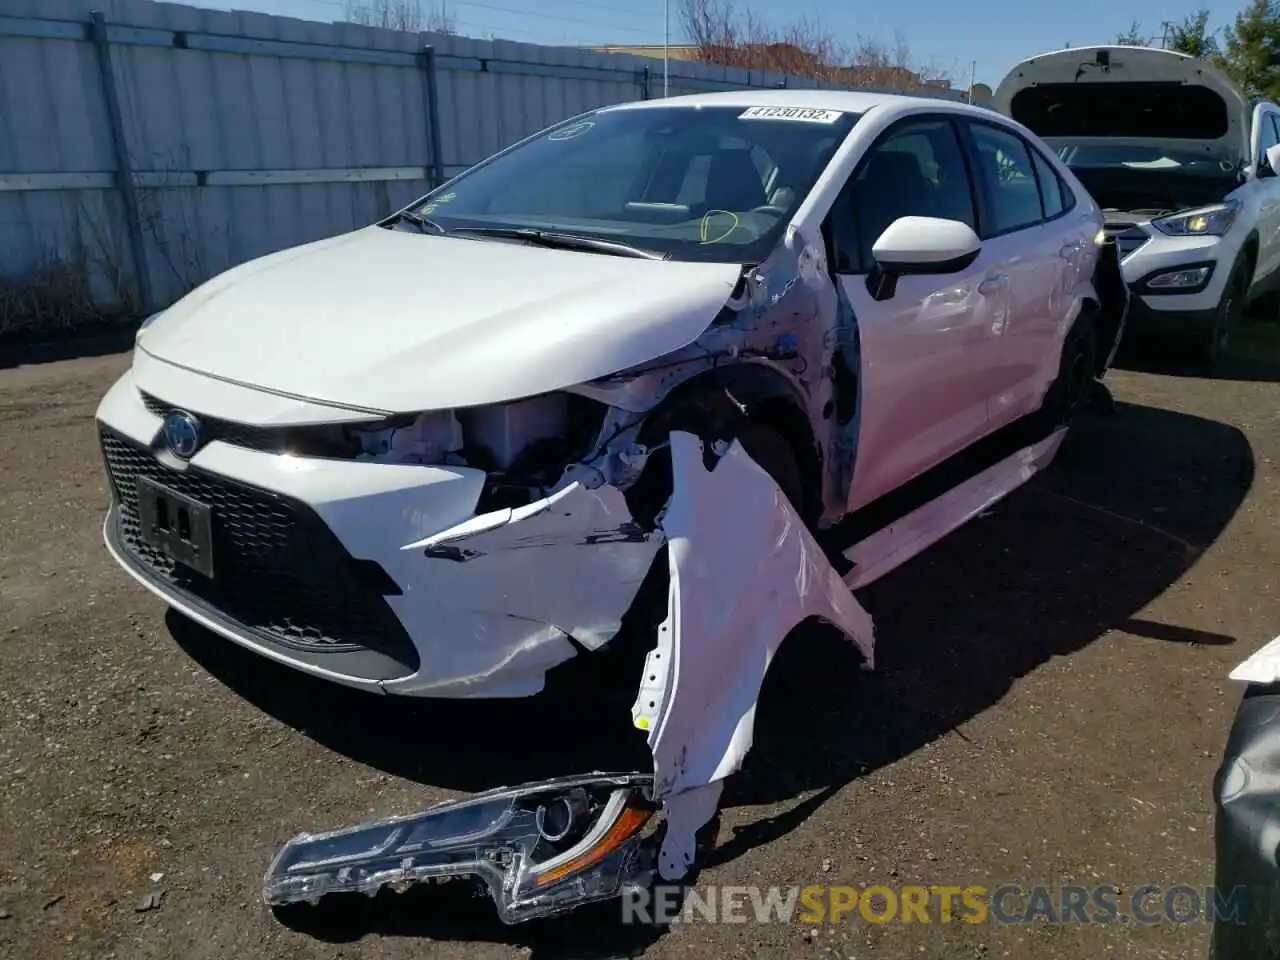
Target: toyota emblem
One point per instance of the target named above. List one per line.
(182, 434)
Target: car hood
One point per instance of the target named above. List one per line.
(388, 320)
(1135, 96)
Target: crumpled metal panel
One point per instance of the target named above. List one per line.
(745, 572)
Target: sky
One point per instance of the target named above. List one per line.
(990, 35)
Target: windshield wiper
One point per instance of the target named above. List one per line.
(424, 224)
(565, 241)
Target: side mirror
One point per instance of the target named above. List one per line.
(917, 246)
(1271, 164)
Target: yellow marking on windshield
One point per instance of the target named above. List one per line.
(704, 226)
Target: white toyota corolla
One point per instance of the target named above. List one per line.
(431, 456)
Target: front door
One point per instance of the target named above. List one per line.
(927, 351)
(1266, 133)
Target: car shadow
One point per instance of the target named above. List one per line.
(1128, 505)
(1254, 355)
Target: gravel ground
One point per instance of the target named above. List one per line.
(1049, 707)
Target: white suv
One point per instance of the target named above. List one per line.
(1185, 169)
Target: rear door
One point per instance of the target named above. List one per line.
(1033, 233)
(926, 351)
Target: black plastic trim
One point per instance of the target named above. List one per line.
(363, 664)
(368, 582)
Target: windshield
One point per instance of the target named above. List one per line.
(693, 183)
(1143, 157)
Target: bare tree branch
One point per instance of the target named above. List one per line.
(1133, 37)
(730, 35)
(407, 15)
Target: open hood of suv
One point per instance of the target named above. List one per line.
(396, 321)
(1128, 96)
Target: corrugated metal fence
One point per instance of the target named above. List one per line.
(190, 140)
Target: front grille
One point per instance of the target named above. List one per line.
(278, 570)
(1128, 237)
(271, 440)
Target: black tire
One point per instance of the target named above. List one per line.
(1069, 393)
(1212, 344)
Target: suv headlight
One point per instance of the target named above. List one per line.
(1211, 221)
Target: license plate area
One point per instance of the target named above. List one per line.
(176, 525)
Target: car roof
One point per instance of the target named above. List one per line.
(849, 101)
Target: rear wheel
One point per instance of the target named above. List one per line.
(1069, 393)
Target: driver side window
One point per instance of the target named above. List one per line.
(592, 181)
(918, 169)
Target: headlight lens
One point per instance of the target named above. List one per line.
(1211, 221)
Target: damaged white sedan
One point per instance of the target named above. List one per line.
(794, 337)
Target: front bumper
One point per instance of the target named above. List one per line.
(1182, 313)
(321, 565)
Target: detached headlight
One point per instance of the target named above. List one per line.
(1211, 221)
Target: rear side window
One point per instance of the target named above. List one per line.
(1050, 186)
(1005, 168)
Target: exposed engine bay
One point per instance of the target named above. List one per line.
(522, 446)
(1152, 193)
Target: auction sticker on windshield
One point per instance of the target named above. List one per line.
(803, 114)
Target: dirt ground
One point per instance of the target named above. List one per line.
(1049, 707)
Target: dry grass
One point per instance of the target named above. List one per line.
(59, 296)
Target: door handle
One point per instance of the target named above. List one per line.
(1070, 250)
(994, 283)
